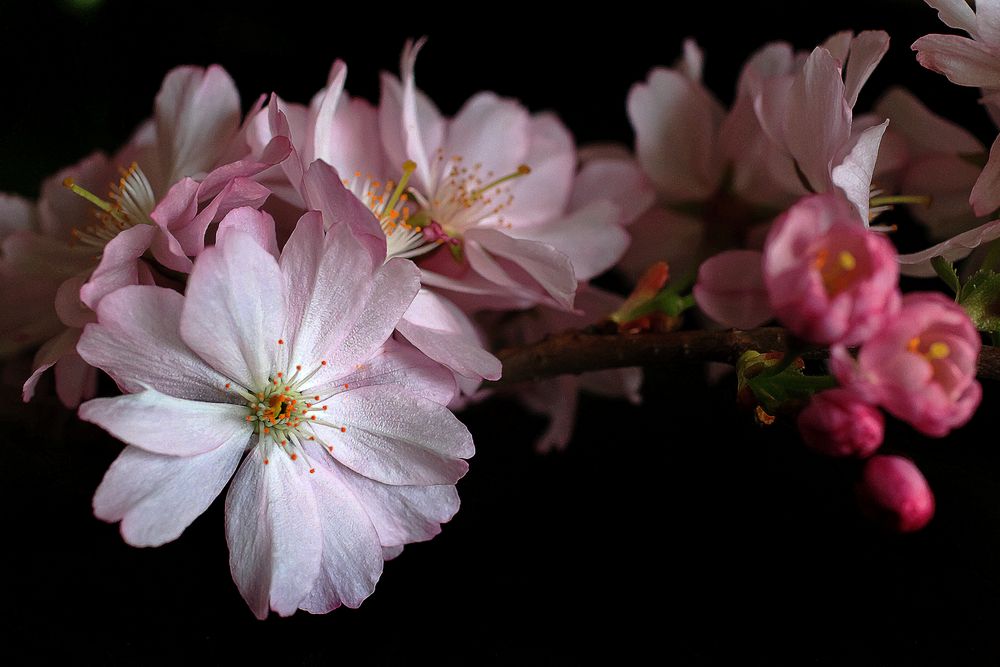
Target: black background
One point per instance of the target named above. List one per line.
(678, 530)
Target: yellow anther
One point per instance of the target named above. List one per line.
(847, 261)
(938, 350)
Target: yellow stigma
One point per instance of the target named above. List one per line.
(408, 168)
(105, 206)
(522, 170)
(846, 260)
(938, 350)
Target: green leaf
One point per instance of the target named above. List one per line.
(946, 272)
(981, 300)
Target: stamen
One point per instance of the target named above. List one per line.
(522, 170)
(938, 350)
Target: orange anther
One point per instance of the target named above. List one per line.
(228, 385)
(281, 341)
(295, 456)
(343, 429)
(312, 470)
(266, 461)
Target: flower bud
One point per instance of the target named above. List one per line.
(837, 423)
(893, 493)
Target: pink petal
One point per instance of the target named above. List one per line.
(988, 21)
(156, 497)
(918, 264)
(119, 264)
(867, 50)
(71, 311)
(233, 312)
(258, 224)
(591, 237)
(412, 127)
(400, 514)
(274, 533)
(955, 14)
(351, 561)
(491, 131)
(618, 181)
(922, 127)
(964, 61)
(550, 268)
(439, 329)
(341, 305)
(236, 193)
(197, 113)
(324, 191)
(985, 197)
(195, 427)
(397, 438)
(854, 174)
(663, 235)
(76, 380)
(54, 349)
(730, 289)
(346, 130)
(130, 321)
(276, 150)
(543, 194)
(399, 364)
(556, 399)
(16, 213)
(675, 122)
(59, 209)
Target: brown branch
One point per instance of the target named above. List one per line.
(577, 352)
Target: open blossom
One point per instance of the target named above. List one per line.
(921, 366)
(829, 280)
(837, 423)
(349, 448)
(894, 493)
(81, 246)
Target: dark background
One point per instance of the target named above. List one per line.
(678, 530)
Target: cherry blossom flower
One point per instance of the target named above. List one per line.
(894, 493)
(66, 264)
(349, 450)
(921, 366)
(837, 423)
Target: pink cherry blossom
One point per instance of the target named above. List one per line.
(894, 493)
(730, 289)
(60, 269)
(921, 366)
(349, 448)
(829, 280)
(837, 423)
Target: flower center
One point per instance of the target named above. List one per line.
(932, 352)
(285, 413)
(837, 271)
(465, 197)
(131, 203)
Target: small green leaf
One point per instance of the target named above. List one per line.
(981, 300)
(946, 272)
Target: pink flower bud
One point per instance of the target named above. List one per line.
(837, 423)
(893, 493)
(828, 279)
(921, 366)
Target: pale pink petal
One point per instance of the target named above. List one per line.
(341, 305)
(948, 179)
(591, 237)
(730, 289)
(258, 224)
(988, 21)
(615, 383)
(176, 209)
(817, 119)
(867, 50)
(71, 311)
(322, 111)
(552, 269)
(156, 497)
(119, 264)
(16, 213)
(663, 235)
(491, 131)
(400, 514)
(618, 181)
(346, 130)
(922, 127)
(692, 60)
(233, 311)
(194, 427)
(918, 264)
(324, 191)
(351, 561)
(412, 128)
(236, 193)
(839, 45)
(399, 364)
(137, 342)
(197, 114)
(389, 553)
(60, 210)
(985, 197)
(556, 399)
(854, 174)
(76, 380)
(443, 332)
(542, 194)
(675, 122)
(955, 14)
(276, 150)
(397, 438)
(274, 532)
(52, 351)
(964, 61)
